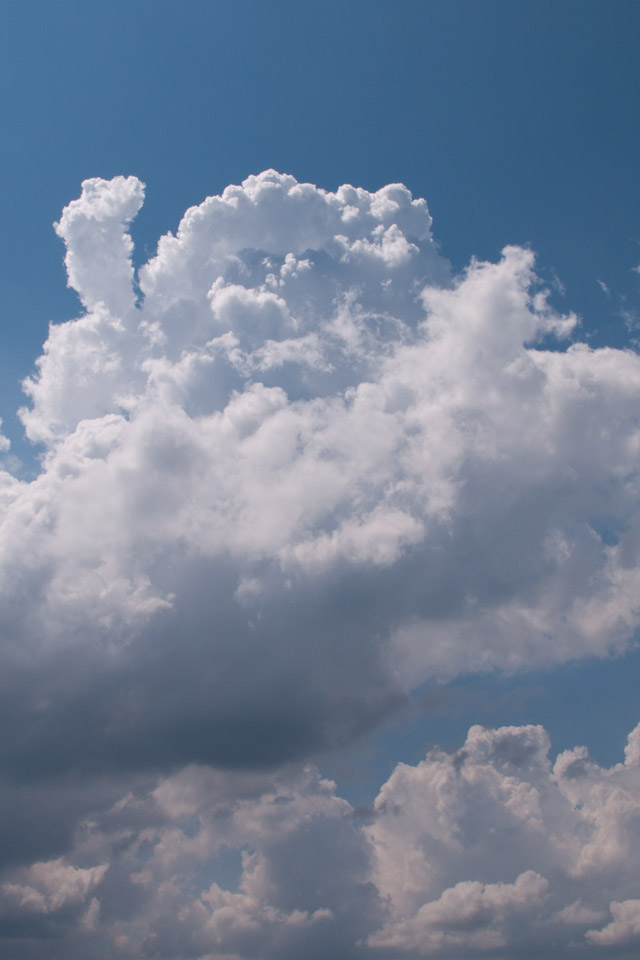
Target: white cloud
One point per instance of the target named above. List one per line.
(306, 471)
(470, 916)
(490, 848)
(494, 847)
(94, 229)
(623, 929)
(5, 443)
(306, 401)
(48, 887)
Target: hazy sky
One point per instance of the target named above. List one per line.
(320, 554)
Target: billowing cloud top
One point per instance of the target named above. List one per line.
(293, 470)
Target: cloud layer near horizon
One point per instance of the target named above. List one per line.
(491, 851)
(293, 470)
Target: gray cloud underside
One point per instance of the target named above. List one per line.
(293, 470)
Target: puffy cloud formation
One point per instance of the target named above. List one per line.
(297, 472)
(487, 852)
(293, 469)
(548, 848)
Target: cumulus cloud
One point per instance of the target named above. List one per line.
(48, 887)
(488, 851)
(306, 470)
(547, 846)
(291, 470)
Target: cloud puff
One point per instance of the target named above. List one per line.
(547, 846)
(48, 887)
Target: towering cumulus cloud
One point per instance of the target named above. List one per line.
(292, 470)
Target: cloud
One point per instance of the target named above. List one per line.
(490, 850)
(48, 887)
(547, 846)
(307, 471)
(470, 916)
(624, 928)
(291, 471)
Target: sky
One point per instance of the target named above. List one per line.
(320, 554)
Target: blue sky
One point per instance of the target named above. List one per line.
(518, 124)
